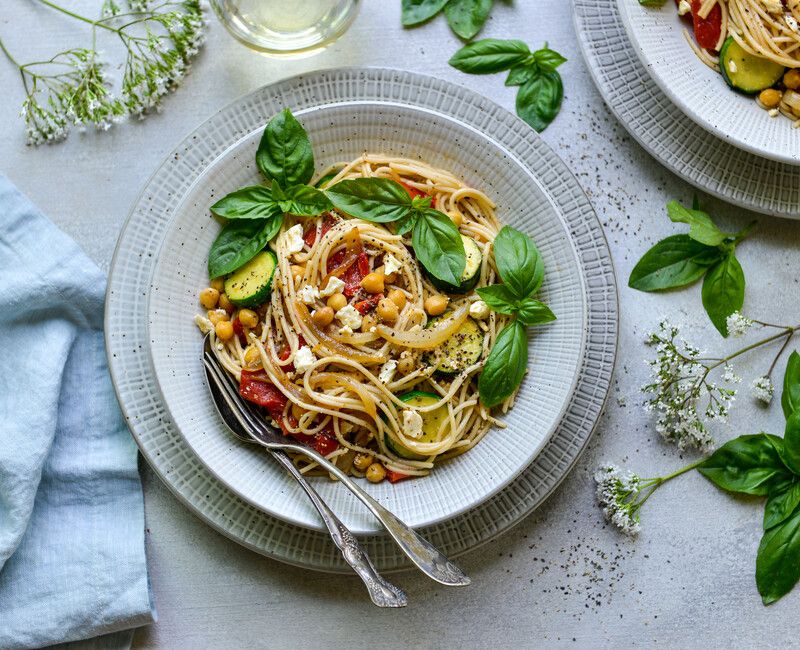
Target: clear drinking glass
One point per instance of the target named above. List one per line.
(286, 26)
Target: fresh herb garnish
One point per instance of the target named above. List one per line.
(520, 267)
(465, 17)
(681, 260)
(541, 89)
(762, 465)
(284, 153)
(239, 242)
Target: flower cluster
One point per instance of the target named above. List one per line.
(738, 324)
(763, 389)
(617, 494)
(679, 383)
(74, 89)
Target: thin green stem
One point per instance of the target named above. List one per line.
(788, 331)
(72, 14)
(654, 483)
(8, 54)
(789, 335)
(744, 232)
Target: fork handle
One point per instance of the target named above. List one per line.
(382, 592)
(427, 558)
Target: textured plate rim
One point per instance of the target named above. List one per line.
(460, 534)
(654, 65)
(498, 486)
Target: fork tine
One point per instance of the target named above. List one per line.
(227, 395)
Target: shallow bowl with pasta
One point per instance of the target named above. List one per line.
(658, 37)
(344, 131)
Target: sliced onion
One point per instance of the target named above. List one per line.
(426, 339)
(792, 100)
(332, 345)
(331, 378)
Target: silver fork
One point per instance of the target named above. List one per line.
(426, 557)
(382, 592)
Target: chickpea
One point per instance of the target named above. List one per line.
(792, 79)
(224, 330)
(225, 303)
(398, 298)
(435, 305)
(248, 318)
(376, 473)
(337, 301)
(322, 317)
(217, 315)
(387, 311)
(209, 297)
(457, 218)
(297, 271)
(368, 322)
(390, 278)
(372, 283)
(252, 357)
(406, 365)
(770, 98)
(362, 461)
(218, 284)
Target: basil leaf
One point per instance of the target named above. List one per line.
(778, 559)
(702, 227)
(521, 73)
(418, 11)
(322, 182)
(673, 262)
(406, 223)
(254, 202)
(791, 443)
(518, 262)
(499, 298)
(539, 99)
(239, 241)
(303, 201)
(506, 365)
(438, 246)
(373, 199)
(284, 153)
(533, 312)
(748, 464)
(489, 55)
(790, 398)
(781, 505)
(548, 59)
(723, 291)
(466, 17)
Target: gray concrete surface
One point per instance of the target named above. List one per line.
(562, 577)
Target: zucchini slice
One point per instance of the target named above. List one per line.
(431, 423)
(460, 351)
(251, 284)
(472, 270)
(746, 72)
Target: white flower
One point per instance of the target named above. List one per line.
(617, 492)
(763, 389)
(738, 324)
(730, 376)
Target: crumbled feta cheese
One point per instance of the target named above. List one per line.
(773, 112)
(203, 323)
(732, 66)
(294, 239)
(391, 264)
(345, 331)
(349, 317)
(479, 310)
(387, 371)
(308, 294)
(412, 424)
(303, 359)
(684, 7)
(335, 285)
(791, 21)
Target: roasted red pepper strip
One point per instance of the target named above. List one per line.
(368, 304)
(256, 387)
(353, 276)
(394, 477)
(310, 235)
(707, 30)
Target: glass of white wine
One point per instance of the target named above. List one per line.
(286, 26)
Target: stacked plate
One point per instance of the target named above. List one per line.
(160, 264)
(682, 111)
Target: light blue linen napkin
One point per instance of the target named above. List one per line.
(72, 559)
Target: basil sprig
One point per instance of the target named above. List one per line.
(681, 260)
(767, 465)
(541, 89)
(520, 267)
(465, 17)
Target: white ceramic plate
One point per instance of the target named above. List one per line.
(656, 34)
(163, 443)
(696, 155)
(342, 132)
